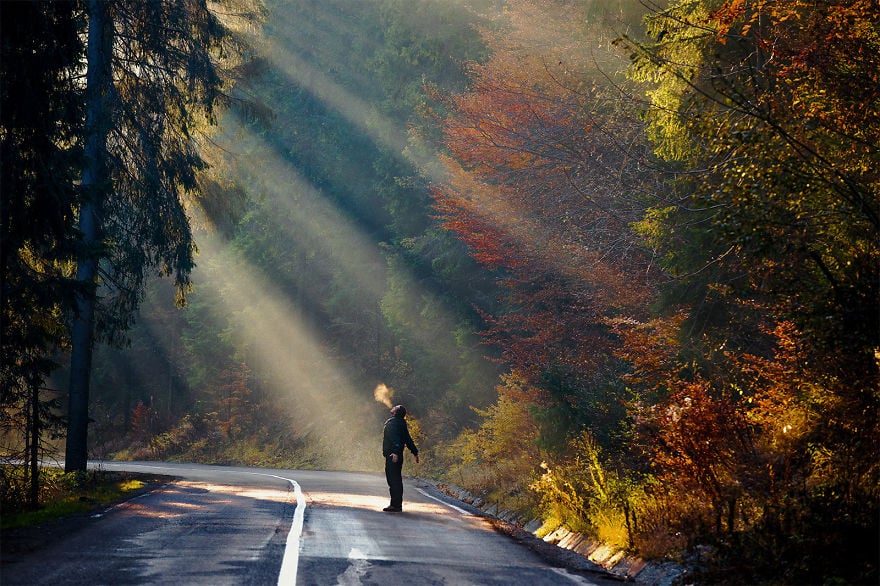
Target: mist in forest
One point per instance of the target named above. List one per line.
(319, 278)
(305, 292)
(618, 259)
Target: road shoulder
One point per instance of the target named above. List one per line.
(21, 541)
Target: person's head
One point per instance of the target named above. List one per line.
(398, 411)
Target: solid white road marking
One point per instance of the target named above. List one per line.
(442, 502)
(571, 577)
(123, 503)
(287, 576)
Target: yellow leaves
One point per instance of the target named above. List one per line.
(584, 494)
(500, 457)
(507, 432)
(654, 224)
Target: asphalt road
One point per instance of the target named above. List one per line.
(222, 525)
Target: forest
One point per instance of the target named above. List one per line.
(620, 259)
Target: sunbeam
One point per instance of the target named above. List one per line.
(358, 112)
(323, 402)
(306, 215)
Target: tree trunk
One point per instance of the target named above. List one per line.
(34, 449)
(94, 185)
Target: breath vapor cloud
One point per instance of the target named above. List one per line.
(383, 394)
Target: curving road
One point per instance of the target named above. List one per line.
(222, 525)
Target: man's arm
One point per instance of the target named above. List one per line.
(410, 443)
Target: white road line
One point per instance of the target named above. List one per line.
(573, 578)
(570, 577)
(287, 576)
(123, 503)
(442, 502)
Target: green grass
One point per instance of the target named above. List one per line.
(63, 494)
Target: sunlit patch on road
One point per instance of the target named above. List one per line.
(267, 494)
(369, 502)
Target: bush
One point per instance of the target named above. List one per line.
(583, 495)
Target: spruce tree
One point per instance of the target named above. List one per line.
(40, 118)
(155, 76)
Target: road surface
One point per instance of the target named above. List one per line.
(223, 525)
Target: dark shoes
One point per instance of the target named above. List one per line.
(393, 509)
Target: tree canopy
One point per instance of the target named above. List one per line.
(619, 259)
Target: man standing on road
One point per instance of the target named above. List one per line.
(395, 438)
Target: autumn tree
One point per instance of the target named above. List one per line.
(769, 110)
(691, 428)
(543, 182)
(773, 100)
(500, 457)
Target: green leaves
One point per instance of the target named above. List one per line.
(754, 104)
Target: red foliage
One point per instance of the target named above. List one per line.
(143, 420)
(542, 189)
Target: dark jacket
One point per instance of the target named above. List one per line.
(395, 436)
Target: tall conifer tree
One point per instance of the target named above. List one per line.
(39, 120)
(155, 75)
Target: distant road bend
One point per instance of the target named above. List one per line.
(225, 525)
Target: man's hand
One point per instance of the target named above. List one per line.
(394, 458)
(417, 458)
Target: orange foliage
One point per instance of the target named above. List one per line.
(747, 434)
(542, 187)
(694, 431)
(651, 348)
(824, 56)
(143, 421)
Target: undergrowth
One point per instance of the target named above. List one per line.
(62, 494)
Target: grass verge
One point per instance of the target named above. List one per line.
(63, 495)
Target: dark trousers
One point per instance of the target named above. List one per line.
(394, 476)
